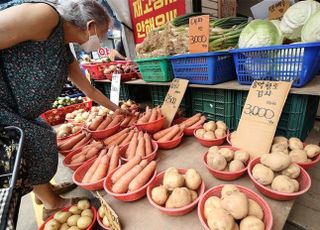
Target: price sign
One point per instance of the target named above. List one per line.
(277, 10)
(173, 99)
(199, 34)
(103, 52)
(110, 214)
(260, 116)
(115, 88)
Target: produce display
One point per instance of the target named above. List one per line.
(177, 190)
(74, 142)
(233, 209)
(80, 216)
(169, 134)
(129, 105)
(66, 101)
(151, 115)
(133, 175)
(103, 216)
(120, 68)
(66, 130)
(212, 130)
(87, 152)
(100, 123)
(81, 115)
(103, 165)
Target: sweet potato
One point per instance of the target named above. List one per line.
(161, 133)
(69, 144)
(198, 123)
(87, 177)
(114, 160)
(173, 132)
(121, 186)
(127, 139)
(125, 168)
(83, 141)
(141, 147)
(116, 120)
(95, 123)
(148, 144)
(101, 170)
(142, 178)
(115, 136)
(153, 116)
(132, 148)
(104, 124)
(192, 120)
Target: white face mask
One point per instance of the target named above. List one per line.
(93, 44)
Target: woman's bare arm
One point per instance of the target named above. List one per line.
(29, 21)
(77, 77)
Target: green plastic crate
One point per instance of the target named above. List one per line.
(215, 104)
(105, 88)
(158, 94)
(297, 118)
(155, 69)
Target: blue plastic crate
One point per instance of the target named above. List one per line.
(204, 68)
(294, 62)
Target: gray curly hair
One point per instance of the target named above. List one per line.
(79, 12)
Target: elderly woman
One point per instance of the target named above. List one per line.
(35, 61)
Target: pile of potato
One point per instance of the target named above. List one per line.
(177, 190)
(81, 115)
(295, 148)
(212, 130)
(276, 169)
(233, 210)
(78, 217)
(102, 212)
(225, 159)
(66, 130)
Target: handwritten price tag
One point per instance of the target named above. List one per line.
(199, 34)
(173, 99)
(276, 11)
(260, 116)
(115, 88)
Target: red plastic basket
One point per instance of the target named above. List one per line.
(304, 183)
(170, 144)
(209, 143)
(187, 131)
(95, 70)
(216, 191)
(173, 211)
(97, 135)
(67, 160)
(151, 127)
(124, 76)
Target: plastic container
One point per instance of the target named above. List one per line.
(225, 175)
(216, 191)
(215, 104)
(66, 152)
(187, 131)
(94, 211)
(129, 196)
(149, 157)
(170, 144)
(297, 118)
(156, 69)
(99, 220)
(173, 211)
(204, 68)
(104, 133)
(95, 70)
(293, 62)
(209, 143)
(311, 164)
(151, 127)
(124, 76)
(67, 160)
(304, 182)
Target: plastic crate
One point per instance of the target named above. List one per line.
(124, 91)
(297, 118)
(215, 104)
(294, 62)
(158, 94)
(204, 68)
(95, 70)
(156, 69)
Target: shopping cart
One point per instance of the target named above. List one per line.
(11, 140)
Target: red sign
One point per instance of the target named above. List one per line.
(149, 14)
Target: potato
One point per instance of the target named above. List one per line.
(220, 219)
(216, 161)
(262, 174)
(298, 156)
(283, 183)
(194, 195)
(293, 171)
(74, 228)
(241, 155)
(75, 129)
(236, 204)
(62, 216)
(200, 133)
(235, 226)
(192, 179)
(252, 223)
(159, 195)
(105, 221)
(65, 226)
(210, 126)
(83, 204)
(280, 139)
(295, 143)
(213, 149)
(220, 133)
(84, 222)
(255, 209)
(276, 161)
(280, 147)
(228, 189)
(209, 136)
(227, 153)
(312, 150)
(102, 211)
(211, 203)
(172, 179)
(180, 197)
(72, 220)
(236, 165)
(221, 125)
(87, 212)
(74, 210)
(296, 185)
(52, 225)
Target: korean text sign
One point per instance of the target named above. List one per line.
(149, 14)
